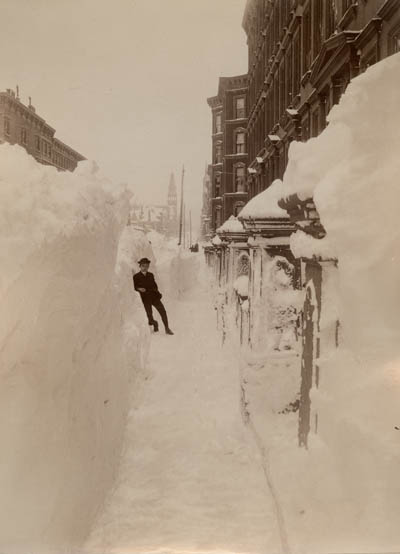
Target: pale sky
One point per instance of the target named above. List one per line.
(125, 82)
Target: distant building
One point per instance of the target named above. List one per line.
(205, 222)
(229, 149)
(20, 124)
(162, 218)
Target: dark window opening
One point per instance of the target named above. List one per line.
(240, 179)
(7, 126)
(240, 108)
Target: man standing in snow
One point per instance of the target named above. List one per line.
(145, 283)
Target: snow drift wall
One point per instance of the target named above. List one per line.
(70, 328)
(352, 170)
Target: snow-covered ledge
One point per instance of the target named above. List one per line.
(262, 215)
(232, 231)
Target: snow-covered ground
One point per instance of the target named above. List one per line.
(192, 478)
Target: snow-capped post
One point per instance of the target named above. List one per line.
(268, 228)
(234, 262)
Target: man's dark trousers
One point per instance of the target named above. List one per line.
(159, 306)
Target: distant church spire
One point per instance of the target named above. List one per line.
(172, 193)
(172, 200)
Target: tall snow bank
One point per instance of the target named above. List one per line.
(69, 347)
(352, 170)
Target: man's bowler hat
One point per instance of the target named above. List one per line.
(144, 261)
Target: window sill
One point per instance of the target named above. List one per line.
(236, 154)
(241, 119)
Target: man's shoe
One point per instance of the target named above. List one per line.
(168, 332)
(155, 324)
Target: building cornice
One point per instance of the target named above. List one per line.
(30, 114)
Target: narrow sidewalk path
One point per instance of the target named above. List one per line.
(191, 478)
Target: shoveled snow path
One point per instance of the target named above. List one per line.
(191, 478)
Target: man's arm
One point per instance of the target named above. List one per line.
(136, 283)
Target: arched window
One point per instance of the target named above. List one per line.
(240, 177)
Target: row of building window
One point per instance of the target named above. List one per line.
(279, 97)
(317, 24)
(41, 146)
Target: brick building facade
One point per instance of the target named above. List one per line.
(20, 124)
(229, 149)
(302, 55)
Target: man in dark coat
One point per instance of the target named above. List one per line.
(145, 283)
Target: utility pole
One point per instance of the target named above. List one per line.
(184, 226)
(190, 228)
(181, 208)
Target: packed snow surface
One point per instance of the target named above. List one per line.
(191, 478)
(265, 204)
